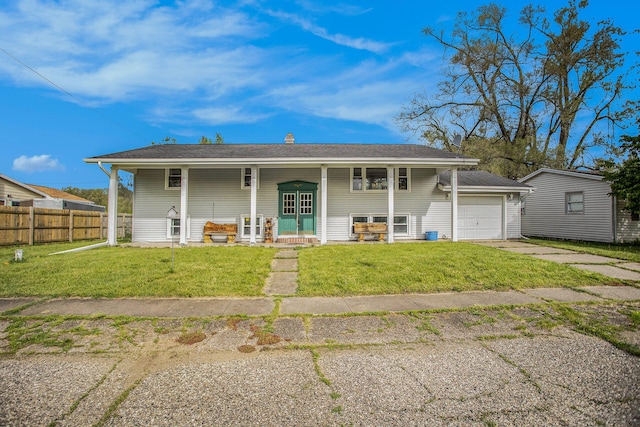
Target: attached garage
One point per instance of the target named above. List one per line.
(480, 218)
(488, 205)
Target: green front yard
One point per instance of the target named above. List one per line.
(334, 270)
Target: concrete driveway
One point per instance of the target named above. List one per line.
(515, 366)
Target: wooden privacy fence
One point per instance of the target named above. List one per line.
(29, 225)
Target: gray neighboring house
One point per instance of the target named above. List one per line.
(576, 206)
(312, 192)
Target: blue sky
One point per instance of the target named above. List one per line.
(83, 78)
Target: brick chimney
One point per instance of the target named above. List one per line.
(289, 139)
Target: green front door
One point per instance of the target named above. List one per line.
(297, 208)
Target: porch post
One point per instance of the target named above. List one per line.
(391, 187)
(184, 204)
(112, 206)
(454, 204)
(323, 214)
(254, 204)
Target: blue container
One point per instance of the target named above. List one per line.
(431, 235)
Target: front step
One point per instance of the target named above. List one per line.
(297, 240)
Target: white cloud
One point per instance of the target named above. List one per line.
(360, 43)
(40, 163)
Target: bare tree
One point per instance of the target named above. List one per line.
(545, 95)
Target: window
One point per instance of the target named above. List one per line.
(246, 226)
(173, 179)
(173, 227)
(403, 179)
(375, 179)
(246, 178)
(357, 179)
(523, 207)
(288, 203)
(400, 222)
(575, 202)
(306, 203)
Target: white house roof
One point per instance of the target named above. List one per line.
(282, 154)
(576, 174)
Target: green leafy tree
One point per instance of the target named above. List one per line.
(219, 139)
(165, 140)
(100, 196)
(205, 141)
(625, 178)
(547, 94)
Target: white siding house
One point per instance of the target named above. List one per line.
(311, 192)
(575, 206)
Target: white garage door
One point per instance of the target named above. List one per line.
(480, 217)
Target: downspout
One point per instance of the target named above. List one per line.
(97, 245)
(104, 170)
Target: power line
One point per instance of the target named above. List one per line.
(66, 92)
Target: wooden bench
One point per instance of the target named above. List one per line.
(211, 229)
(368, 228)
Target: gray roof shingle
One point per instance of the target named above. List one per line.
(280, 151)
(479, 179)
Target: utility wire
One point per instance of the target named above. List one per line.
(66, 92)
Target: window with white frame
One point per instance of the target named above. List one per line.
(356, 179)
(375, 179)
(402, 181)
(246, 226)
(400, 222)
(173, 179)
(575, 202)
(173, 227)
(245, 177)
(306, 204)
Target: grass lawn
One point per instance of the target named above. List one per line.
(630, 252)
(358, 269)
(135, 272)
(428, 267)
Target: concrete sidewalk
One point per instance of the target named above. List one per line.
(212, 307)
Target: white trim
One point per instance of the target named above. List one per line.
(323, 204)
(168, 228)
(184, 203)
(166, 178)
(393, 179)
(243, 171)
(391, 186)
(370, 216)
(254, 204)
(259, 221)
(561, 172)
(454, 204)
(112, 208)
(397, 174)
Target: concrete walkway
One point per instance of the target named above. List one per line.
(206, 307)
(611, 267)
